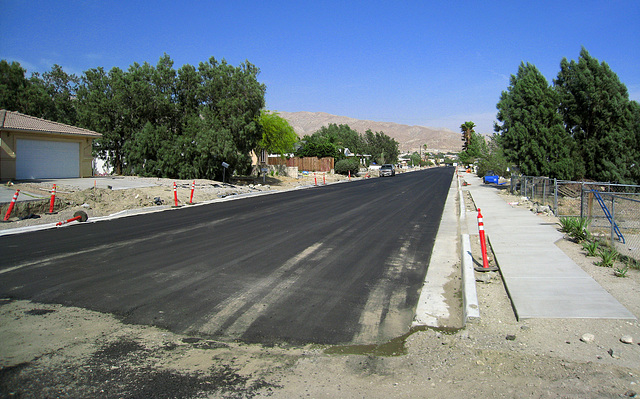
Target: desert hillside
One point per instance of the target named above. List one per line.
(411, 138)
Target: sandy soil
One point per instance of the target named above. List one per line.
(54, 351)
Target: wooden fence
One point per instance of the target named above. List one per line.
(311, 164)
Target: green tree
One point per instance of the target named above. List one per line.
(331, 141)
(416, 159)
(61, 89)
(475, 144)
(317, 146)
(467, 128)
(493, 159)
(27, 96)
(278, 137)
(634, 168)
(102, 107)
(343, 137)
(531, 131)
(597, 113)
(234, 97)
(13, 86)
(382, 148)
(157, 121)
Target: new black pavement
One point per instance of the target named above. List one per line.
(340, 264)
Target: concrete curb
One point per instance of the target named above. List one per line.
(470, 305)
(471, 308)
(432, 308)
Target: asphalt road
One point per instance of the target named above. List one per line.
(339, 264)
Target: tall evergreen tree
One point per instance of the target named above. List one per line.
(25, 95)
(597, 113)
(103, 106)
(634, 168)
(231, 99)
(13, 86)
(532, 134)
(61, 88)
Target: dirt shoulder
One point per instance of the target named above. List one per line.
(49, 350)
(108, 197)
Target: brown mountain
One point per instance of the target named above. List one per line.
(411, 138)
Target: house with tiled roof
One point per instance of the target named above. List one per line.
(35, 148)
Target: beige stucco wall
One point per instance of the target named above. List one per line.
(8, 141)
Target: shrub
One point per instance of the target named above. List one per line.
(621, 271)
(581, 231)
(577, 228)
(609, 256)
(344, 166)
(567, 224)
(591, 247)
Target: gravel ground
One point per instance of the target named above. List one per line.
(55, 351)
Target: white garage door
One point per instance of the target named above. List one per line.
(39, 159)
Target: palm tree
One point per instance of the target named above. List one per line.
(467, 129)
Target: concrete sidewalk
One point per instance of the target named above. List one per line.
(7, 193)
(542, 281)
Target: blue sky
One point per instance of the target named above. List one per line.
(429, 63)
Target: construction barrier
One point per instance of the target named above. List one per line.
(193, 187)
(175, 196)
(483, 245)
(79, 216)
(13, 203)
(52, 202)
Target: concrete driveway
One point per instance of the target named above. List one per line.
(6, 194)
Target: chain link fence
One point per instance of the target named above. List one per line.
(614, 209)
(615, 218)
(564, 197)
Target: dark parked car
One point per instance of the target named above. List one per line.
(491, 177)
(387, 170)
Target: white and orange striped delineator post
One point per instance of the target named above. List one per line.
(80, 216)
(193, 187)
(315, 179)
(483, 246)
(52, 202)
(175, 196)
(349, 175)
(11, 205)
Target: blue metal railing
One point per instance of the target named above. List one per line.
(598, 197)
